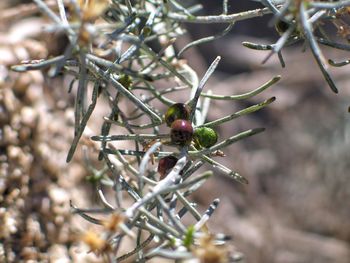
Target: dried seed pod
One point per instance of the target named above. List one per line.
(177, 111)
(205, 137)
(181, 132)
(165, 165)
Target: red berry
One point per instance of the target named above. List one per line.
(181, 132)
(165, 165)
(177, 111)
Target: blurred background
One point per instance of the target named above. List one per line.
(296, 208)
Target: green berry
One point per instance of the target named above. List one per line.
(177, 111)
(205, 137)
(181, 132)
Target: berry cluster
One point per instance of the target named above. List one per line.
(182, 134)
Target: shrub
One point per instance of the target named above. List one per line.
(124, 50)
